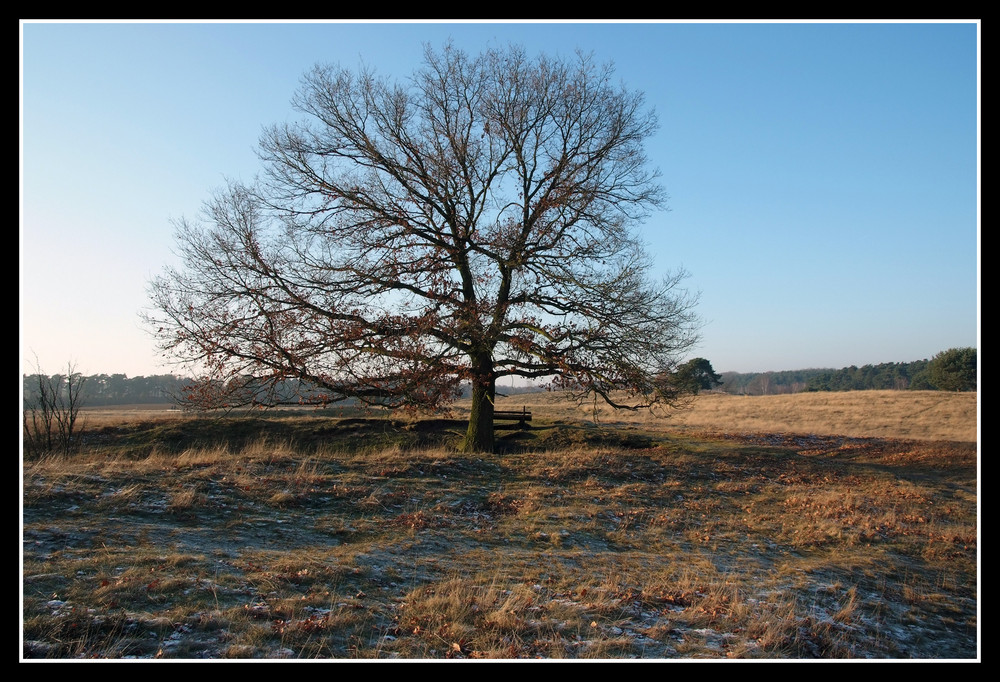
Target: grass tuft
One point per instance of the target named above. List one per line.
(300, 536)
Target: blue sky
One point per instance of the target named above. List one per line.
(823, 177)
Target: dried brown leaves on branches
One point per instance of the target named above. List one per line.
(474, 222)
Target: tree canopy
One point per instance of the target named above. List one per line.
(473, 222)
(955, 369)
(694, 376)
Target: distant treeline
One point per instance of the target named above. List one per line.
(951, 370)
(768, 383)
(116, 389)
(898, 376)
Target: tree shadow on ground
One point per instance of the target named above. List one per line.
(355, 434)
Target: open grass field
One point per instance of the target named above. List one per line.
(923, 415)
(836, 526)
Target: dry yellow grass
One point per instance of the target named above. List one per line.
(919, 415)
(122, 415)
(693, 547)
(303, 536)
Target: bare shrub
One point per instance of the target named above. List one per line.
(51, 413)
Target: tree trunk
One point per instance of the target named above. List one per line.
(479, 437)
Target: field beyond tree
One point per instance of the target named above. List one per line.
(779, 527)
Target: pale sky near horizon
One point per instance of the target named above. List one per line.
(823, 177)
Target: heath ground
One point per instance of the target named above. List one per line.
(829, 525)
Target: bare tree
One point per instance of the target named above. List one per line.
(475, 222)
(51, 411)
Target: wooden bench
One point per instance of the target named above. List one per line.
(513, 415)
